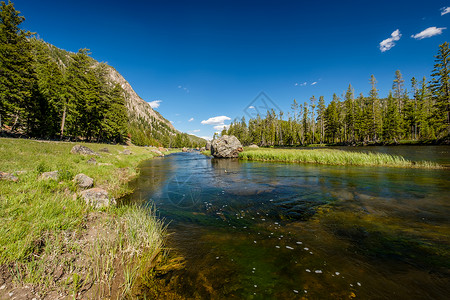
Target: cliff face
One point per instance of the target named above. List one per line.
(136, 106)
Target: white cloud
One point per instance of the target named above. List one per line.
(191, 119)
(314, 83)
(251, 107)
(208, 138)
(221, 127)
(172, 122)
(155, 104)
(219, 120)
(387, 44)
(300, 84)
(429, 32)
(445, 10)
(196, 130)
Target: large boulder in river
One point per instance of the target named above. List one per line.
(227, 146)
(80, 149)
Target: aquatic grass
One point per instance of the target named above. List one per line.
(333, 157)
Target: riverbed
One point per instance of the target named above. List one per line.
(258, 230)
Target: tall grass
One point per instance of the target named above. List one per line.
(333, 157)
(43, 224)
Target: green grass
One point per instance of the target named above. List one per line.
(43, 222)
(332, 157)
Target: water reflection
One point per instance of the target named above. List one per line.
(284, 231)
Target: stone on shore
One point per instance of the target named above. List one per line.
(80, 149)
(97, 198)
(83, 181)
(159, 153)
(227, 146)
(126, 152)
(253, 146)
(208, 145)
(53, 175)
(8, 177)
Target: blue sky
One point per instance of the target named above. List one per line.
(208, 60)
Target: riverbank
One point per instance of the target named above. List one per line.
(332, 157)
(53, 245)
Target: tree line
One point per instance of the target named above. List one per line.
(420, 114)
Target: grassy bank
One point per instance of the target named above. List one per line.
(52, 242)
(332, 157)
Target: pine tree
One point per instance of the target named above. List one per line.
(440, 89)
(17, 76)
(321, 118)
(349, 120)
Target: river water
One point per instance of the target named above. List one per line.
(255, 230)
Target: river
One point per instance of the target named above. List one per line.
(255, 230)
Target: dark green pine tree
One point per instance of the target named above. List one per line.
(321, 118)
(51, 91)
(78, 96)
(349, 120)
(391, 125)
(17, 76)
(332, 120)
(114, 124)
(440, 90)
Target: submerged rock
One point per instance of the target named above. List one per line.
(49, 175)
(80, 149)
(227, 146)
(83, 181)
(8, 177)
(97, 198)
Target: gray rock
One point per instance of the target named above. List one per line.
(106, 150)
(159, 153)
(253, 146)
(83, 181)
(227, 146)
(126, 152)
(208, 145)
(80, 149)
(92, 161)
(184, 149)
(97, 198)
(162, 149)
(53, 175)
(8, 177)
(202, 149)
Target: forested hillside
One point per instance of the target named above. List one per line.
(47, 92)
(418, 114)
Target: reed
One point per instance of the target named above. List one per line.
(333, 157)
